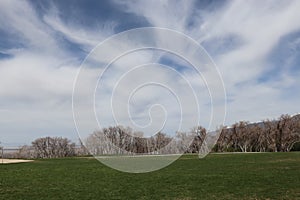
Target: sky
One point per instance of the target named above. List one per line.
(254, 44)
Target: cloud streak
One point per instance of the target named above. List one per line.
(247, 32)
(43, 52)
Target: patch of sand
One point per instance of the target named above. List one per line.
(8, 161)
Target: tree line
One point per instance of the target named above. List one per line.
(47, 147)
(123, 140)
(279, 135)
(267, 136)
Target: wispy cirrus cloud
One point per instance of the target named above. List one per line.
(254, 44)
(37, 77)
(240, 37)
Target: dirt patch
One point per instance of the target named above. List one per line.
(8, 161)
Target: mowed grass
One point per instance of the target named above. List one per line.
(217, 176)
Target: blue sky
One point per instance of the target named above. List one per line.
(255, 45)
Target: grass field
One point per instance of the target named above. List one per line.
(218, 176)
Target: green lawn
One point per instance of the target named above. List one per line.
(218, 176)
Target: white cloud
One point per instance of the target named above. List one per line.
(259, 25)
(21, 19)
(165, 13)
(36, 82)
(77, 34)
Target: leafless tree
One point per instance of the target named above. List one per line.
(53, 147)
(287, 133)
(199, 134)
